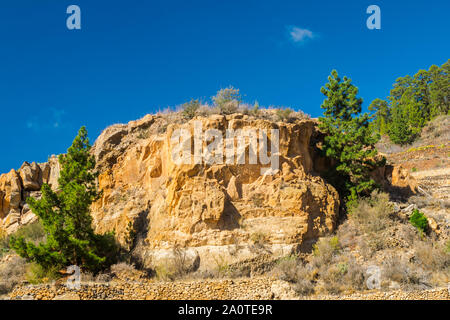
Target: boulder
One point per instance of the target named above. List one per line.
(11, 192)
(30, 175)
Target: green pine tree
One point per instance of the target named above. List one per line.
(65, 215)
(349, 140)
(381, 115)
(399, 129)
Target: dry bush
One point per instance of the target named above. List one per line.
(284, 114)
(408, 233)
(372, 214)
(258, 238)
(206, 110)
(177, 267)
(12, 273)
(4, 242)
(432, 256)
(301, 276)
(122, 267)
(347, 234)
(227, 100)
(341, 274)
(408, 275)
(325, 250)
(286, 268)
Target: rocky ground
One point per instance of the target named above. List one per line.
(262, 288)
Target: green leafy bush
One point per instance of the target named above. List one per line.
(419, 220)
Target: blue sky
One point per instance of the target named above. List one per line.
(135, 57)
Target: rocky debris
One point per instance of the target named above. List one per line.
(224, 289)
(259, 288)
(431, 294)
(67, 296)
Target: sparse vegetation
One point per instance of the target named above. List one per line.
(284, 114)
(227, 100)
(190, 109)
(258, 238)
(372, 214)
(11, 274)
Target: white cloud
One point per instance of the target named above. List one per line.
(299, 35)
(50, 118)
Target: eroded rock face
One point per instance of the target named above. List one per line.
(217, 212)
(17, 186)
(204, 205)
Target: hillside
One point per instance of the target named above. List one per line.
(279, 231)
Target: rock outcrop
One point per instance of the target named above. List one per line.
(214, 210)
(218, 207)
(17, 186)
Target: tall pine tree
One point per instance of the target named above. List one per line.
(349, 139)
(65, 215)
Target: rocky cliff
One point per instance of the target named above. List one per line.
(17, 186)
(219, 212)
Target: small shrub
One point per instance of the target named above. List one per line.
(227, 100)
(324, 250)
(222, 266)
(372, 214)
(258, 238)
(284, 114)
(414, 169)
(403, 272)
(11, 274)
(190, 109)
(255, 111)
(33, 232)
(122, 267)
(37, 274)
(301, 276)
(419, 220)
(286, 268)
(4, 242)
(305, 283)
(164, 273)
(432, 256)
(347, 233)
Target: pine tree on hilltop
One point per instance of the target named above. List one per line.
(349, 140)
(381, 115)
(66, 218)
